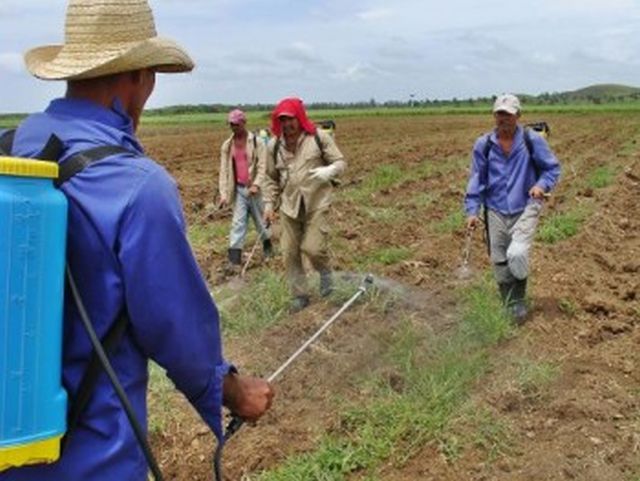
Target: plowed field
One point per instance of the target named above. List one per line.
(397, 214)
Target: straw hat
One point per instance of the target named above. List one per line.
(106, 37)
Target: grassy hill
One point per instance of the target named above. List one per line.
(604, 91)
(593, 94)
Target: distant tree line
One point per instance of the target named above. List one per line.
(592, 95)
(596, 94)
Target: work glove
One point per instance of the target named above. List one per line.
(325, 173)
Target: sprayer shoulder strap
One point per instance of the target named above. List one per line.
(110, 342)
(78, 162)
(6, 141)
(321, 147)
(51, 151)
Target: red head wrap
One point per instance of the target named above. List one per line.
(291, 107)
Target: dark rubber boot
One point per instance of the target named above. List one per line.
(235, 260)
(235, 256)
(267, 248)
(506, 293)
(326, 283)
(513, 296)
(519, 301)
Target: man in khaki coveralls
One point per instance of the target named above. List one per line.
(302, 163)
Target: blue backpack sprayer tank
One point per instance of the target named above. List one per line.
(33, 222)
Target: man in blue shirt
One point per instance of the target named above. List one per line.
(512, 170)
(127, 244)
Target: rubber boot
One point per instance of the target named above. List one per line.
(506, 292)
(326, 283)
(519, 301)
(235, 261)
(267, 248)
(513, 296)
(299, 303)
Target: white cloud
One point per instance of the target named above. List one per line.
(356, 72)
(545, 58)
(376, 13)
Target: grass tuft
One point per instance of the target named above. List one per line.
(454, 221)
(263, 303)
(533, 377)
(567, 306)
(560, 226)
(208, 235)
(601, 177)
(382, 178)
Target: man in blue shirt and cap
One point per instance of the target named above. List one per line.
(127, 244)
(512, 171)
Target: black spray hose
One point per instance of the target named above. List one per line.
(236, 422)
(106, 364)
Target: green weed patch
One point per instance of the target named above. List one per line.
(260, 305)
(207, 235)
(452, 222)
(601, 177)
(560, 226)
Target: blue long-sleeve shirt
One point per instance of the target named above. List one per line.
(504, 182)
(127, 246)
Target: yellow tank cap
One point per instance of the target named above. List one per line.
(28, 167)
(47, 451)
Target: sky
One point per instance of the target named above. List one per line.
(250, 51)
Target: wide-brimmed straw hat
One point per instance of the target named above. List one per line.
(107, 37)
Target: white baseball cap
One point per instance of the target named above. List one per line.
(507, 103)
